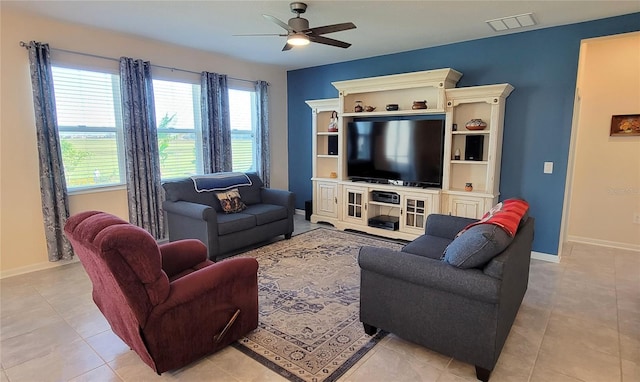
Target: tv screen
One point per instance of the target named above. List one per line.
(406, 150)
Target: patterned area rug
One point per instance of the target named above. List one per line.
(309, 293)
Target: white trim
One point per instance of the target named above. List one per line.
(545, 257)
(300, 212)
(604, 243)
(36, 267)
(95, 189)
(571, 160)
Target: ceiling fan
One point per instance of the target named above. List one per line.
(299, 33)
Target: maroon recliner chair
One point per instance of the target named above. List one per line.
(168, 302)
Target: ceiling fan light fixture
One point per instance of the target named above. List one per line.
(298, 39)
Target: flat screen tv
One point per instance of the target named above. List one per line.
(410, 151)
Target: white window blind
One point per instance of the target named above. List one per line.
(90, 127)
(243, 141)
(177, 107)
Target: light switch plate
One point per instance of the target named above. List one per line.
(548, 167)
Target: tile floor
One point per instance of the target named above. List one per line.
(580, 321)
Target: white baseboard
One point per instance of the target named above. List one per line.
(603, 243)
(545, 257)
(299, 212)
(36, 267)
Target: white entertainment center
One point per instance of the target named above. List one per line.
(400, 211)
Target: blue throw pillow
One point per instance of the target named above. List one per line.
(476, 246)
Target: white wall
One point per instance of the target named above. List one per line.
(22, 243)
(605, 191)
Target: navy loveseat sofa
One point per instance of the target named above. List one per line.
(199, 215)
(465, 313)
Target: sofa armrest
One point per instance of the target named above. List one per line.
(278, 197)
(446, 226)
(430, 273)
(216, 283)
(192, 210)
(180, 255)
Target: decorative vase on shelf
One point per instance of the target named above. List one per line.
(476, 124)
(468, 186)
(418, 105)
(456, 156)
(358, 108)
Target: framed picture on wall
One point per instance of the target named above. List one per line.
(624, 125)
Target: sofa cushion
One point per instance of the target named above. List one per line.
(251, 194)
(427, 246)
(476, 246)
(230, 201)
(230, 223)
(266, 213)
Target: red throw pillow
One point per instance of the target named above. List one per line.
(506, 215)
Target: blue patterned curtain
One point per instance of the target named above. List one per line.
(262, 133)
(144, 189)
(216, 124)
(53, 187)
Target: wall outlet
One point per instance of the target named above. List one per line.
(636, 218)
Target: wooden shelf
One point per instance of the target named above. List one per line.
(328, 133)
(474, 194)
(373, 202)
(471, 162)
(376, 113)
(471, 132)
(332, 156)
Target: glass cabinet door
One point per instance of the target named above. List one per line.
(415, 211)
(355, 204)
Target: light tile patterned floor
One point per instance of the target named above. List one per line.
(580, 321)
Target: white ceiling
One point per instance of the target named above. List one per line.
(383, 27)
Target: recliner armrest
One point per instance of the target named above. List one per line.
(430, 273)
(182, 254)
(192, 210)
(211, 283)
(446, 226)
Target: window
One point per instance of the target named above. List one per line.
(177, 107)
(242, 112)
(90, 127)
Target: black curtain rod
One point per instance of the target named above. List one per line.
(26, 46)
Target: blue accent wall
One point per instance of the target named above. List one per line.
(542, 66)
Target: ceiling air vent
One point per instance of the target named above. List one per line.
(512, 22)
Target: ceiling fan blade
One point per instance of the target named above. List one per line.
(282, 24)
(331, 28)
(287, 46)
(260, 34)
(329, 41)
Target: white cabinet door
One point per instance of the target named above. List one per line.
(355, 205)
(466, 207)
(327, 199)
